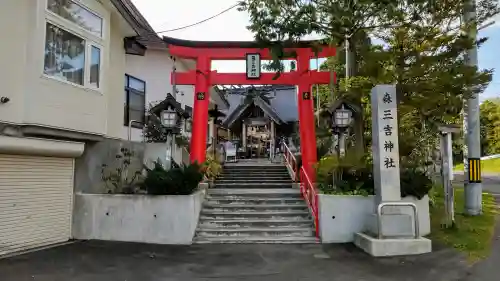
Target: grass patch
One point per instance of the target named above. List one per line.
(488, 166)
(471, 235)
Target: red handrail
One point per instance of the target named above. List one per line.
(290, 160)
(310, 194)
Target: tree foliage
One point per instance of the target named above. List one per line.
(490, 127)
(419, 45)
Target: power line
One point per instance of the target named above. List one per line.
(202, 21)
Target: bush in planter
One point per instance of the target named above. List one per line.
(415, 183)
(351, 175)
(354, 176)
(182, 180)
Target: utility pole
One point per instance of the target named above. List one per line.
(472, 170)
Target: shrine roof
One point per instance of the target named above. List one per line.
(242, 107)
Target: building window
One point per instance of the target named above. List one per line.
(135, 101)
(74, 12)
(73, 44)
(64, 55)
(95, 66)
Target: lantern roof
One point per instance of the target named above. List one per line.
(170, 103)
(356, 110)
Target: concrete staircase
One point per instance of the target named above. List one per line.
(255, 204)
(254, 176)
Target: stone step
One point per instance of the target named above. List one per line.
(254, 200)
(257, 239)
(255, 167)
(246, 177)
(253, 185)
(243, 172)
(254, 176)
(229, 193)
(292, 215)
(278, 223)
(253, 208)
(295, 196)
(256, 172)
(254, 215)
(261, 180)
(261, 231)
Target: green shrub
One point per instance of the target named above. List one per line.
(354, 176)
(415, 183)
(156, 180)
(351, 175)
(181, 180)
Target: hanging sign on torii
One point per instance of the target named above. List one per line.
(253, 66)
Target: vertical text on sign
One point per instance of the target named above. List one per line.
(253, 66)
(389, 138)
(385, 143)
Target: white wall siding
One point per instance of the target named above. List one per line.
(40, 100)
(155, 69)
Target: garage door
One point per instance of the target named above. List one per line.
(36, 199)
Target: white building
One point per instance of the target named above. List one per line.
(63, 111)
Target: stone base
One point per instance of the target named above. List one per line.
(392, 226)
(392, 247)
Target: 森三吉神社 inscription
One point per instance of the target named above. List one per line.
(385, 143)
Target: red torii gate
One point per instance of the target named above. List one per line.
(203, 78)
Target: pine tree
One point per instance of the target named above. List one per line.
(423, 52)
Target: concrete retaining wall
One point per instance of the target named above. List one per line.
(340, 216)
(170, 219)
(88, 166)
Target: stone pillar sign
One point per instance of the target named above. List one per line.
(391, 231)
(385, 144)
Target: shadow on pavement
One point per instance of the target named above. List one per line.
(109, 261)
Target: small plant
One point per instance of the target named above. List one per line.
(347, 175)
(212, 168)
(185, 179)
(116, 178)
(182, 141)
(156, 179)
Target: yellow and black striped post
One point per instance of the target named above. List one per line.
(474, 170)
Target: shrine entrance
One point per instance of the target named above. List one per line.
(203, 78)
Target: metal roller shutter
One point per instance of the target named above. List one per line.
(36, 200)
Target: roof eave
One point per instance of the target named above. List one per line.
(236, 44)
(127, 15)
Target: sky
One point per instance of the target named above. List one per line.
(231, 26)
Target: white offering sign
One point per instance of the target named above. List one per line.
(253, 66)
(385, 143)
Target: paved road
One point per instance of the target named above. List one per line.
(491, 182)
(113, 261)
(106, 261)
